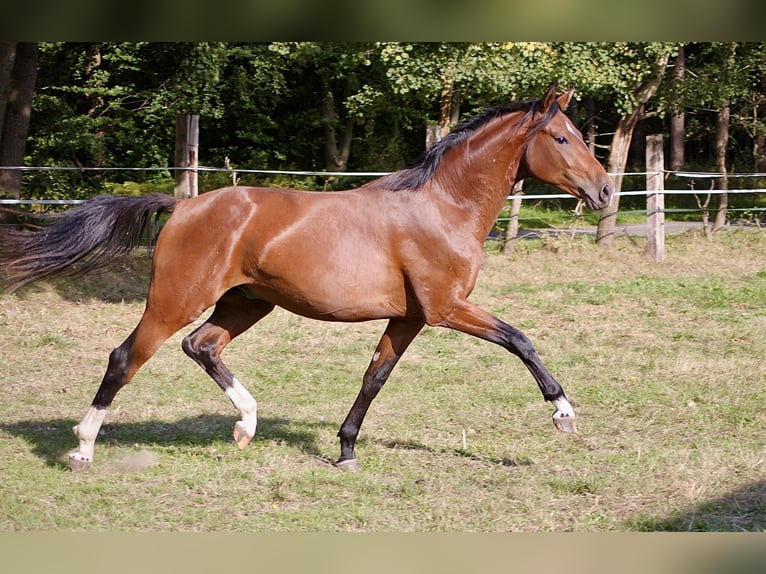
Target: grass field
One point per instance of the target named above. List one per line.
(664, 364)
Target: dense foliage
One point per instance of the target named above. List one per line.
(351, 106)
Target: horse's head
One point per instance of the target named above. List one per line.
(556, 154)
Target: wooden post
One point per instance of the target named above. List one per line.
(187, 148)
(655, 198)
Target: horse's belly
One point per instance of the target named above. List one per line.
(335, 296)
(328, 264)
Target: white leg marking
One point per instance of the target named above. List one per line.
(564, 417)
(563, 408)
(87, 431)
(244, 402)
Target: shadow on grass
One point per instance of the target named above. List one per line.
(741, 510)
(52, 440)
(414, 445)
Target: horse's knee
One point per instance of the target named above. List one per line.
(201, 351)
(118, 361)
(187, 344)
(376, 377)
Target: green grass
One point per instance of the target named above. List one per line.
(548, 215)
(663, 362)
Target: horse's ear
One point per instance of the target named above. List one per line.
(548, 99)
(564, 98)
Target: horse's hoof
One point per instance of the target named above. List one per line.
(566, 424)
(77, 462)
(241, 436)
(350, 465)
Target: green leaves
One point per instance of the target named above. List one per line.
(260, 104)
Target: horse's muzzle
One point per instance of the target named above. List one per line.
(600, 200)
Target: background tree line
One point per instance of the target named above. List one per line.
(355, 106)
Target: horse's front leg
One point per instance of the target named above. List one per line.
(473, 320)
(86, 433)
(233, 315)
(396, 338)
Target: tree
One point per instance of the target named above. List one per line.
(7, 58)
(197, 85)
(360, 106)
(677, 135)
(16, 117)
(478, 74)
(339, 72)
(725, 81)
(723, 118)
(641, 69)
(747, 66)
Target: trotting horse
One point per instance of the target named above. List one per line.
(406, 247)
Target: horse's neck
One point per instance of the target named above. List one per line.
(483, 172)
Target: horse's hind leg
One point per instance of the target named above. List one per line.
(396, 338)
(233, 315)
(124, 361)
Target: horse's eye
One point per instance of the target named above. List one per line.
(561, 139)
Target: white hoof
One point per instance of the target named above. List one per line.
(564, 417)
(242, 436)
(565, 423)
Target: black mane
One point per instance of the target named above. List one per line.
(415, 177)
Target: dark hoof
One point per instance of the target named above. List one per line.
(350, 465)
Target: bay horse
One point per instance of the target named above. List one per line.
(406, 247)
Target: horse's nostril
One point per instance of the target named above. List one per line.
(605, 193)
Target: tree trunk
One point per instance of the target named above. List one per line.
(721, 141)
(592, 128)
(17, 114)
(677, 118)
(759, 152)
(336, 156)
(445, 105)
(7, 58)
(618, 158)
(449, 113)
(513, 219)
(94, 100)
(455, 110)
(620, 147)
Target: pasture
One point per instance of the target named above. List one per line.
(664, 364)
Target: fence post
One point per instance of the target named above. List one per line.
(655, 198)
(187, 148)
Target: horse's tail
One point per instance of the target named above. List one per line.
(82, 239)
